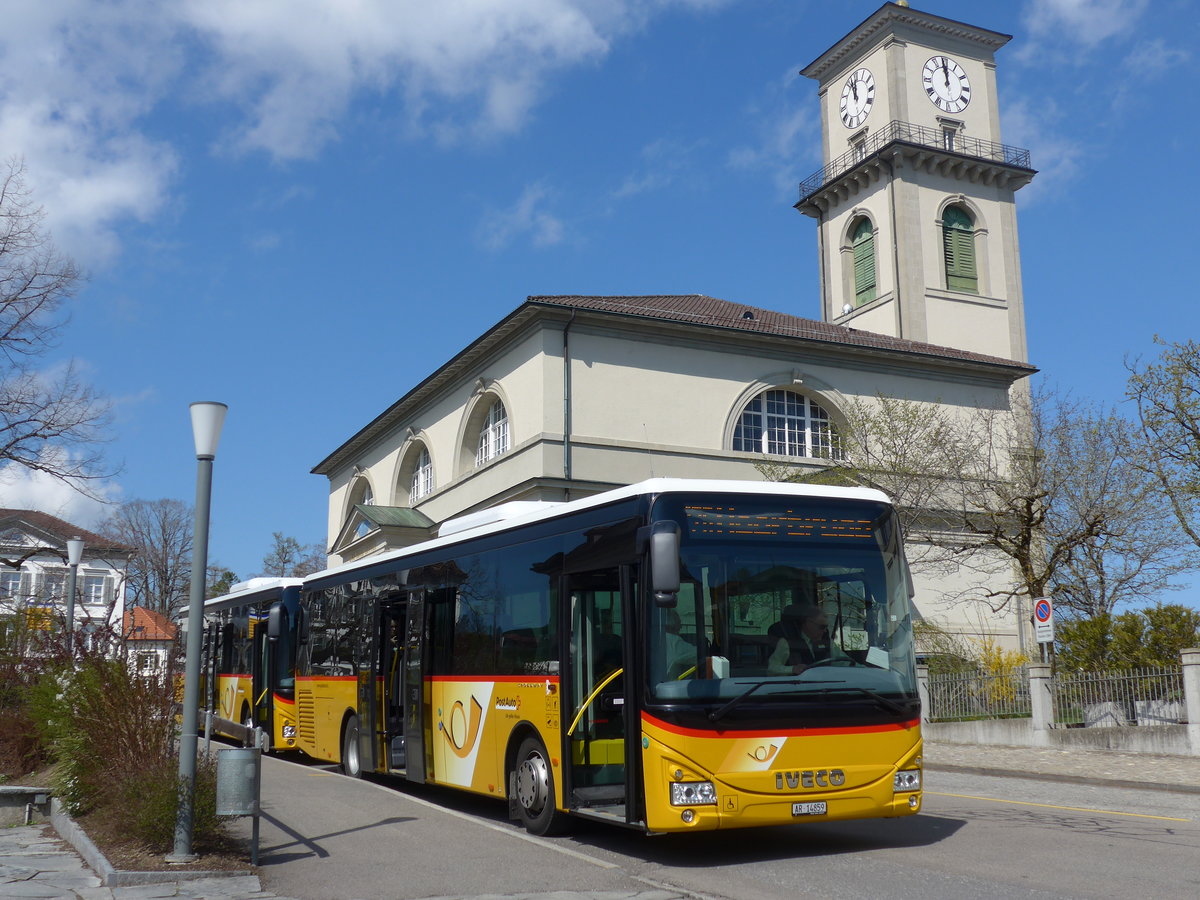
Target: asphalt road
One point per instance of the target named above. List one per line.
(324, 836)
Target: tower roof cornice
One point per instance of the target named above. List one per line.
(887, 20)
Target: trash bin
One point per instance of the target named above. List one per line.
(238, 774)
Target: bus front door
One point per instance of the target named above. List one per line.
(596, 738)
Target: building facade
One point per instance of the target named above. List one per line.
(571, 395)
(34, 575)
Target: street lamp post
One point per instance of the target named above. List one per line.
(74, 557)
(207, 419)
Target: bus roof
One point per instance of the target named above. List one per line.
(494, 519)
(251, 589)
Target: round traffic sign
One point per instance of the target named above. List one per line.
(1041, 610)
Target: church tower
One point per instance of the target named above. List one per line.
(915, 205)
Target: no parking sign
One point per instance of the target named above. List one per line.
(1043, 620)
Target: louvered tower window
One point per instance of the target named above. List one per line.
(958, 242)
(862, 237)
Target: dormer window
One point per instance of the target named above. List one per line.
(951, 129)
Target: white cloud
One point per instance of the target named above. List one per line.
(81, 81)
(1153, 58)
(786, 133)
(1031, 124)
(663, 163)
(525, 217)
(1082, 22)
(24, 488)
(74, 79)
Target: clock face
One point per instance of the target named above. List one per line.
(857, 96)
(946, 84)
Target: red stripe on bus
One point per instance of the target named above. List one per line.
(783, 732)
(327, 678)
(506, 679)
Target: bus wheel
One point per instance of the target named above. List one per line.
(535, 790)
(351, 763)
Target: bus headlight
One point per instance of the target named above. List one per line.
(693, 793)
(907, 780)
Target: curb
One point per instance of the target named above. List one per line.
(68, 829)
(1065, 779)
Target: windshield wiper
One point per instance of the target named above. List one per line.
(719, 713)
(889, 705)
(716, 714)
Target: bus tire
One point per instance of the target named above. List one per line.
(351, 761)
(534, 783)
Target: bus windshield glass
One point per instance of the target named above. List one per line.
(784, 599)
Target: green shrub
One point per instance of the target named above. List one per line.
(151, 798)
(26, 654)
(112, 740)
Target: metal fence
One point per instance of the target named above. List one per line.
(1151, 696)
(962, 697)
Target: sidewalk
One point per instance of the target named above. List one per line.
(1136, 770)
(35, 864)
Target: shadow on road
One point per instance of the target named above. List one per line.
(716, 848)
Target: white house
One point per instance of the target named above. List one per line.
(34, 574)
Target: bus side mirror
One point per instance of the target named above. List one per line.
(664, 563)
(276, 622)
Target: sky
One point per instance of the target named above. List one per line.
(302, 208)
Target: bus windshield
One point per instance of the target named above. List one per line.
(784, 599)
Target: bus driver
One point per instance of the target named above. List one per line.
(803, 634)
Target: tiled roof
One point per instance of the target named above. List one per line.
(10, 518)
(697, 309)
(142, 624)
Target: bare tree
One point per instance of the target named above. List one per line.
(49, 422)
(1052, 493)
(288, 558)
(1038, 489)
(160, 570)
(1167, 395)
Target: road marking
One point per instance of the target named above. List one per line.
(1106, 812)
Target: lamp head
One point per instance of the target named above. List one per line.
(74, 551)
(207, 418)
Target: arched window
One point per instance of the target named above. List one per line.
(784, 423)
(493, 434)
(421, 482)
(862, 238)
(958, 242)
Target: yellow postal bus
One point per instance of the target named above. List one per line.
(249, 661)
(674, 655)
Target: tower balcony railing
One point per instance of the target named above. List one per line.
(947, 141)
